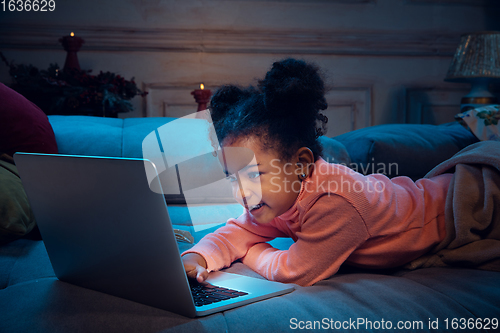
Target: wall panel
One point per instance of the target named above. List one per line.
(349, 108)
(432, 105)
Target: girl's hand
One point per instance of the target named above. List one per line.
(195, 266)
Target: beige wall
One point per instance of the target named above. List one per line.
(385, 60)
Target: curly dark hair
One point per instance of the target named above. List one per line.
(282, 111)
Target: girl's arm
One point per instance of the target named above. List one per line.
(232, 241)
(331, 230)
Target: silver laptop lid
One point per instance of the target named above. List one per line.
(104, 229)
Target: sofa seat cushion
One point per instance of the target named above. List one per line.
(412, 298)
(404, 149)
(49, 305)
(22, 261)
(32, 299)
(368, 299)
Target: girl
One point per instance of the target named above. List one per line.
(333, 214)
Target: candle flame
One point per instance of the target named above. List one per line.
(202, 86)
(72, 34)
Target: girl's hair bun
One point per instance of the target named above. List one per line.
(224, 99)
(293, 87)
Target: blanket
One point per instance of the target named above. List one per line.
(472, 210)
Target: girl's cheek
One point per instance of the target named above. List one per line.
(236, 191)
(239, 192)
(273, 185)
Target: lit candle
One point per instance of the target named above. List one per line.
(71, 45)
(202, 97)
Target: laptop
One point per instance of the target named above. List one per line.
(104, 229)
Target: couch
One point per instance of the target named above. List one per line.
(32, 299)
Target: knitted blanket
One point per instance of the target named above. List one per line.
(472, 210)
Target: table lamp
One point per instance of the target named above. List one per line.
(477, 61)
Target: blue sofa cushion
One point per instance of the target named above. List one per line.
(136, 129)
(114, 137)
(404, 149)
(91, 136)
(334, 151)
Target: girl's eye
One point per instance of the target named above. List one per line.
(231, 178)
(250, 175)
(254, 174)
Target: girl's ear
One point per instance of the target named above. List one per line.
(305, 162)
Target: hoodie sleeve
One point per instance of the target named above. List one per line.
(331, 230)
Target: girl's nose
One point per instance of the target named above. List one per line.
(245, 193)
(242, 193)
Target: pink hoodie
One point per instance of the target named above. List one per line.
(339, 216)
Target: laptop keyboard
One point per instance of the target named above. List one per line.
(204, 294)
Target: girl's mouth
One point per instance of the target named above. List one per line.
(255, 208)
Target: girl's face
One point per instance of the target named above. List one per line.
(266, 186)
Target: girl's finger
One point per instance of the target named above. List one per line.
(202, 274)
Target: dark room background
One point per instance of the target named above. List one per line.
(384, 60)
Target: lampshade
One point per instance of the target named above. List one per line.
(477, 60)
(477, 56)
